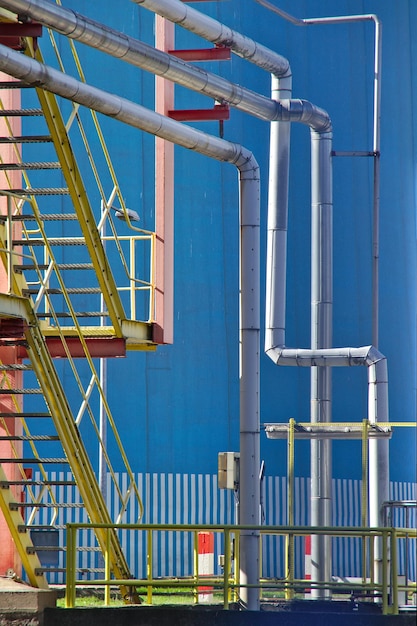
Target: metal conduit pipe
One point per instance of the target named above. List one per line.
(44, 77)
(218, 33)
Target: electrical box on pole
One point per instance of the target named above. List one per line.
(228, 470)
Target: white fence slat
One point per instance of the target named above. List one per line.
(192, 498)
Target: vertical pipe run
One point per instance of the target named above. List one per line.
(321, 338)
(249, 382)
(376, 191)
(279, 162)
(378, 455)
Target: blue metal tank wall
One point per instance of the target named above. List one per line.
(178, 407)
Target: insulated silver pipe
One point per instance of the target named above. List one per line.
(182, 14)
(321, 338)
(47, 78)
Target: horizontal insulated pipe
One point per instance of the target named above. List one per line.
(210, 29)
(38, 75)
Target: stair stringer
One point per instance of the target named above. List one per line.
(10, 509)
(68, 433)
(139, 333)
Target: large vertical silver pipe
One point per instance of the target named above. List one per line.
(321, 338)
(277, 225)
(249, 512)
(378, 452)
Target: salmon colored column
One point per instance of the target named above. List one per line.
(9, 558)
(164, 199)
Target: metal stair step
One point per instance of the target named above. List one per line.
(78, 314)
(20, 112)
(22, 539)
(53, 241)
(52, 505)
(23, 528)
(38, 483)
(34, 461)
(27, 139)
(14, 84)
(44, 570)
(39, 191)
(29, 438)
(60, 266)
(18, 392)
(35, 549)
(35, 165)
(43, 217)
(70, 290)
(24, 414)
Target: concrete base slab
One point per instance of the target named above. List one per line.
(22, 604)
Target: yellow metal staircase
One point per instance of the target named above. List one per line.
(63, 300)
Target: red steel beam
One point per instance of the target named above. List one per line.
(98, 347)
(218, 112)
(220, 53)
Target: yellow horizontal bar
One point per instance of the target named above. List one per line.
(351, 531)
(347, 424)
(138, 335)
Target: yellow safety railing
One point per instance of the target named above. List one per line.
(228, 585)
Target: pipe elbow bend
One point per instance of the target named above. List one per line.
(274, 353)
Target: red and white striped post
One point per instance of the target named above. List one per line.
(205, 563)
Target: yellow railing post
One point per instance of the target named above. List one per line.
(195, 566)
(385, 578)
(132, 274)
(71, 567)
(107, 569)
(364, 494)
(227, 567)
(392, 566)
(236, 569)
(289, 538)
(149, 565)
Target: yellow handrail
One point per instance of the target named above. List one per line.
(386, 591)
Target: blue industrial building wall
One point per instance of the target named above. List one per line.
(178, 407)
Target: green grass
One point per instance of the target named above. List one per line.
(160, 597)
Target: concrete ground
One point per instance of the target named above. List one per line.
(22, 605)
